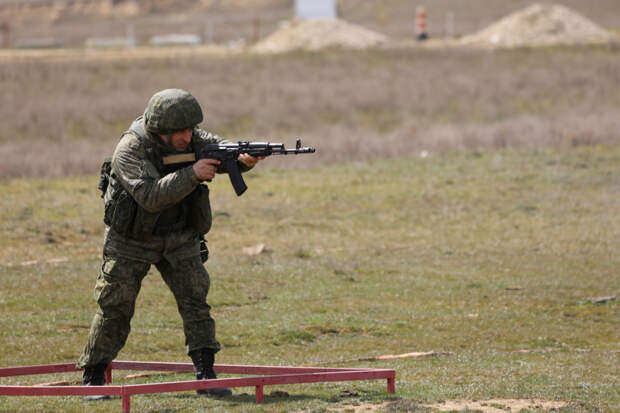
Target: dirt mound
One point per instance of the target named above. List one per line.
(540, 25)
(319, 34)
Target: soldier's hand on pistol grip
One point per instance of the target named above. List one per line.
(205, 169)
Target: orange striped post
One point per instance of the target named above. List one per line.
(420, 24)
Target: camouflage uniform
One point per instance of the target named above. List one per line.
(160, 231)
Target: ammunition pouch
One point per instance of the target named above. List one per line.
(120, 212)
(199, 215)
(120, 208)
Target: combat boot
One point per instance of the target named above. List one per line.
(95, 376)
(203, 367)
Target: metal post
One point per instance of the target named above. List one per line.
(259, 394)
(126, 401)
(391, 385)
(108, 374)
(420, 24)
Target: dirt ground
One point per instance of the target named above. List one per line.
(485, 406)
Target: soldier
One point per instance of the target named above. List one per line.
(158, 218)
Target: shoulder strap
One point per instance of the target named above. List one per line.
(137, 127)
(152, 152)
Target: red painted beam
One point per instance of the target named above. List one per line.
(126, 402)
(42, 369)
(241, 369)
(273, 375)
(222, 368)
(178, 386)
(60, 390)
(152, 366)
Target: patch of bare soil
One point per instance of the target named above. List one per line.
(358, 407)
(319, 34)
(498, 405)
(540, 25)
(485, 406)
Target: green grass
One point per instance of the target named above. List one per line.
(478, 254)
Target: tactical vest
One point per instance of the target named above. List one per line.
(126, 217)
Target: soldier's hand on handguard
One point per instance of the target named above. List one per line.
(249, 160)
(205, 168)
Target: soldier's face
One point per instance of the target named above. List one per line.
(180, 139)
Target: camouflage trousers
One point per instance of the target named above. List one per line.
(117, 288)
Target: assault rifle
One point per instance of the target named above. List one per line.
(228, 153)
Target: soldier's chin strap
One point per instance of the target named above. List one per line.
(167, 140)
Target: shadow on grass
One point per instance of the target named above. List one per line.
(405, 405)
(281, 396)
(246, 398)
(167, 410)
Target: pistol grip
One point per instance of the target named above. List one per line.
(232, 167)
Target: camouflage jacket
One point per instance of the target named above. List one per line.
(137, 169)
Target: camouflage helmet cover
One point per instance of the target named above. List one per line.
(171, 110)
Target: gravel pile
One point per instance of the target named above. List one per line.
(319, 34)
(540, 25)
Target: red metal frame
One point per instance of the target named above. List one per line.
(263, 376)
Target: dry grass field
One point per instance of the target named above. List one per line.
(355, 105)
(502, 259)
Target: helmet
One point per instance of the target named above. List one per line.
(171, 110)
